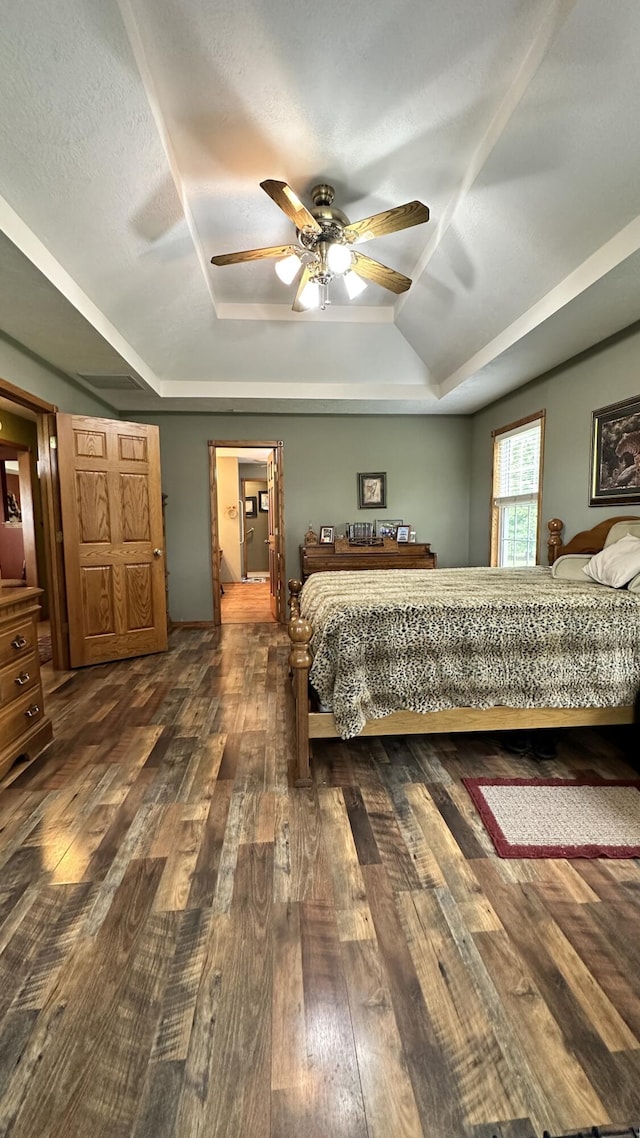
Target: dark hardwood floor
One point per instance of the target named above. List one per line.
(189, 946)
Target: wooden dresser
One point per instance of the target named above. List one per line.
(341, 555)
(24, 728)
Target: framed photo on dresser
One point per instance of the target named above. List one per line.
(388, 527)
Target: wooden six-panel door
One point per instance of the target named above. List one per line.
(113, 542)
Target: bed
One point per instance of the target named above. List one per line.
(392, 652)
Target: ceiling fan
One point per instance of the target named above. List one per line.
(325, 237)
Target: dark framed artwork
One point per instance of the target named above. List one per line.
(327, 535)
(372, 491)
(402, 533)
(250, 506)
(264, 501)
(615, 454)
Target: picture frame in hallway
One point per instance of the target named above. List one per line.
(263, 501)
(250, 506)
(615, 454)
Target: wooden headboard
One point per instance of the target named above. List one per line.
(587, 541)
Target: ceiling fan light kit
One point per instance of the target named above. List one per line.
(354, 285)
(289, 268)
(325, 236)
(311, 296)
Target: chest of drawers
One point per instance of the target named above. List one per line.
(25, 729)
(341, 555)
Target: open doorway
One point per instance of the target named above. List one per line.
(66, 447)
(23, 561)
(247, 532)
(255, 543)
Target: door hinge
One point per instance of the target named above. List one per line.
(53, 442)
(59, 536)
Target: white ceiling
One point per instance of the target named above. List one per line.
(135, 133)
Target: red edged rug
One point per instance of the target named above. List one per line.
(557, 817)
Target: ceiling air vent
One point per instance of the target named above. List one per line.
(112, 382)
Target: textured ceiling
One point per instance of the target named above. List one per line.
(135, 134)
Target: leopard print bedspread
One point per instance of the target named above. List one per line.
(425, 640)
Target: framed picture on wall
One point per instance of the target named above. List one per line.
(615, 454)
(250, 506)
(263, 501)
(372, 491)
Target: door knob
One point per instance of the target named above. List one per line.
(157, 553)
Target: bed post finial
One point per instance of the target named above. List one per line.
(554, 541)
(295, 588)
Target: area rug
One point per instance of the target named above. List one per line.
(537, 817)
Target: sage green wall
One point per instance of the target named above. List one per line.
(426, 458)
(22, 369)
(606, 374)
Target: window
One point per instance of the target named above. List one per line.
(515, 507)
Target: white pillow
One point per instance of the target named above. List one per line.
(634, 584)
(617, 563)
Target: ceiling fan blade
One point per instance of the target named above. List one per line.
(374, 271)
(290, 203)
(253, 255)
(304, 279)
(389, 221)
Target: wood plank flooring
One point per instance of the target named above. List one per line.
(246, 602)
(189, 946)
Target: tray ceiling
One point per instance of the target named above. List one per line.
(135, 134)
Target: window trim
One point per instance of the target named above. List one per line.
(494, 513)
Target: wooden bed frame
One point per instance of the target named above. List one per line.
(311, 725)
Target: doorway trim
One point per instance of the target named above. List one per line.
(214, 445)
(51, 519)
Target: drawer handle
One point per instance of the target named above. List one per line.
(18, 643)
(32, 711)
(22, 680)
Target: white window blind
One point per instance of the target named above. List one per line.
(516, 483)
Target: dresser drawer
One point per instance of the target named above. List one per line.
(17, 678)
(19, 642)
(21, 715)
